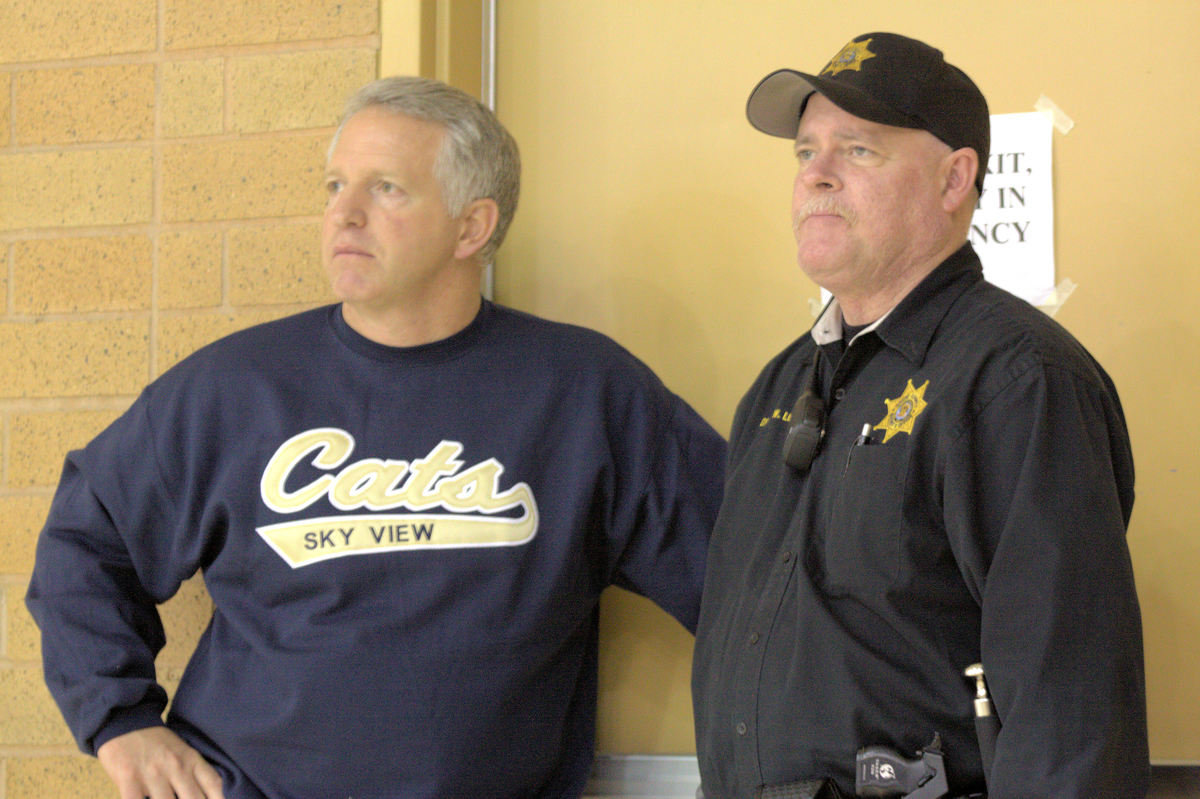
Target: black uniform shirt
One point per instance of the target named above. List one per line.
(983, 521)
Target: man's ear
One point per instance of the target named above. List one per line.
(478, 222)
(959, 170)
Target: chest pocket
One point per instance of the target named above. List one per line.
(863, 539)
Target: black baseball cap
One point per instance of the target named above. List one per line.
(884, 78)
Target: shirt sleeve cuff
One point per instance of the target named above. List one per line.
(126, 720)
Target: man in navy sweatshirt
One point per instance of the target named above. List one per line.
(405, 507)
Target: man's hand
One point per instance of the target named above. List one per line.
(156, 763)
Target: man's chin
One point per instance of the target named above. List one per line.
(351, 289)
(821, 263)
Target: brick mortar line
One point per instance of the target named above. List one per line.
(48, 750)
(226, 98)
(156, 56)
(65, 405)
(54, 148)
(10, 272)
(12, 113)
(226, 276)
(160, 28)
(16, 235)
(6, 451)
(143, 314)
(225, 137)
(156, 199)
(35, 492)
(132, 314)
(13, 664)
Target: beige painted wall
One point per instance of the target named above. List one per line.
(652, 211)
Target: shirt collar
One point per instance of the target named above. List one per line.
(908, 327)
(829, 326)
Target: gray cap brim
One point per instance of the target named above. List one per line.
(774, 105)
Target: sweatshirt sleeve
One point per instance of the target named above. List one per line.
(661, 529)
(105, 560)
(1039, 491)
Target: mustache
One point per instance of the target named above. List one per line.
(821, 205)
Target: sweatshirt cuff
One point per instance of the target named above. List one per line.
(126, 720)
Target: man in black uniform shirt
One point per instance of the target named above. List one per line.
(967, 499)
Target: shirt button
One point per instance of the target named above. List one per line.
(740, 728)
(786, 557)
(839, 394)
(753, 639)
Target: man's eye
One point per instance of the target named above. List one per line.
(804, 155)
(386, 187)
(332, 187)
(859, 151)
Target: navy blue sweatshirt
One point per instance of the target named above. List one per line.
(405, 549)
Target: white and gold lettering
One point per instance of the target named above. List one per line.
(370, 482)
(420, 492)
(334, 445)
(470, 501)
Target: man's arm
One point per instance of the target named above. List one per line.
(100, 633)
(100, 626)
(1038, 495)
(106, 558)
(662, 528)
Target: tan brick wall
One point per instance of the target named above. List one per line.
(70, 188)
(56, 275)
(88, 104)
(159, 187)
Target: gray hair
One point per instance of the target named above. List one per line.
(478, 157)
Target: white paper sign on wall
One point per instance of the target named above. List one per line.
(1013, 226)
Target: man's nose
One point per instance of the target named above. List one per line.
(346, 208)
(820, 172)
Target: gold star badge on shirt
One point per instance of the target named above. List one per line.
(850, 57)
(903, 411)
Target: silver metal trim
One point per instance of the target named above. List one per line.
(487, 88)
(644, 776)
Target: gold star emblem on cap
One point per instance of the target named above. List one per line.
(903, 411)
(850, 57)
